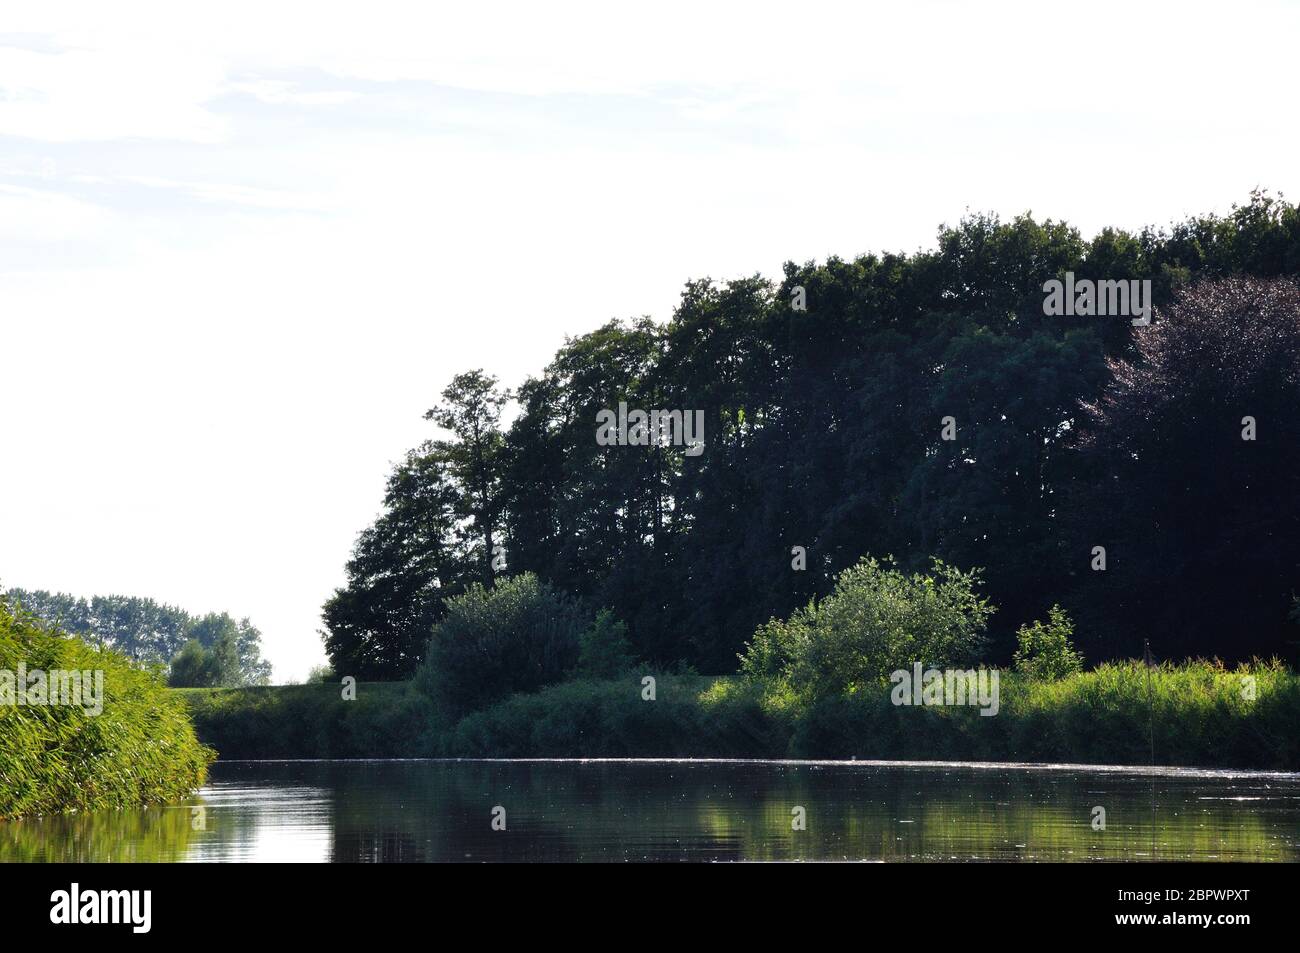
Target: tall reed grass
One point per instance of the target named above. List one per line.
(140, 749)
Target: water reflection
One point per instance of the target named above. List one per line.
(412, 811)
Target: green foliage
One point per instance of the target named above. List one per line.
(1047, 650)
(691, 717)
(822, 430)
(604, 651)
(471, 411)
(139, 749)
(876, 620)
(1202, 715)
(214, 666)
(401, 569)
(234, 648)
(1202, 519)
(515, 637)
(145, 630)
(321, 675)
(190, 668)
(385, 720)
(158, 834)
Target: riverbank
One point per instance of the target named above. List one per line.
(1198, 714)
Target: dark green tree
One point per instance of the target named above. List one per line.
(823, 398)
(401, 569)
(471, 411)
(1198, 509)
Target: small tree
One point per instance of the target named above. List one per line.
(214, 666)
(604, 651)
(515, 637)
(1047, 651)
(190, 668)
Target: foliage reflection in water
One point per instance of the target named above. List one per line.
(685, 810)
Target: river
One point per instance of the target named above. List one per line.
(644, 810)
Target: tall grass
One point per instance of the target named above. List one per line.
(140, 749)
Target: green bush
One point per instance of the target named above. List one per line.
(691, 716)
(875, 621)
(190, 667)
(517, 636)
(1047, 651)
(603, 650)
(138, 749)
(321, 675)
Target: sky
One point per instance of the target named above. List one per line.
(244, 246)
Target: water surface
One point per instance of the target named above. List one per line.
(687, 810)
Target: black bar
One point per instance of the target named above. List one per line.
(934, 900)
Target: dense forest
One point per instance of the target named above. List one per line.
(916, 406)
(212, 650)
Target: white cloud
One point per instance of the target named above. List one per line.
(33, 215)
(277, 93)
(97, 94)
(227, 194)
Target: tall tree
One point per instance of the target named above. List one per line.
(824, 397)
(401, 570)
(1189, 477)
(471, 410)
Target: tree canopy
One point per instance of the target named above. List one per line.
(921, 405)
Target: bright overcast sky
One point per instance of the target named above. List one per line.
(243, 246)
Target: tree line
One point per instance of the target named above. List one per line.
(1142, 478)
(212, 650)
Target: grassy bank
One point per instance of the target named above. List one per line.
(126, 741)
(386, 720)
(1200, 712)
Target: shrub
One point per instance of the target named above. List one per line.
(693, 717)
(1047, 651)
(603, 650)
(515, 637)
(876, 620)
(321, 675)
(139, 748)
